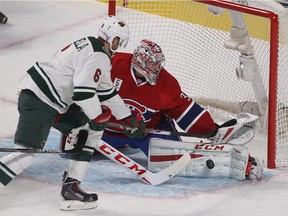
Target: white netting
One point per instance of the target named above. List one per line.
(192, 40)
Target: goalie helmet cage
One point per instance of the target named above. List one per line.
(204, 42)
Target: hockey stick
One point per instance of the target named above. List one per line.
(83, 134)
(175, 133)
(243, 129)
(144, 174)
(50, 151)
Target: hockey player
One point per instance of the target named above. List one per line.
(51, 94)
(147, 87)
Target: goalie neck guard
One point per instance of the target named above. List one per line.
(148, 60)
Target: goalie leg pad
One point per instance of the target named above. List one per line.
(12, 165)
(229, 161)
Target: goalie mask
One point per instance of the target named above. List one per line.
(114, 27)
(148, 60)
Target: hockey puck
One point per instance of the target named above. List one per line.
(210, 164)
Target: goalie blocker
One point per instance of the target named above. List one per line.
(207, 160)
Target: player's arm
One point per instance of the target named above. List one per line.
(136, 126)
(240, 130)
(189, 115)
(96, 87)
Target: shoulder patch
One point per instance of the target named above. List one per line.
(117, 84)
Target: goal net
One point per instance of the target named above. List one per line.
(231, 55)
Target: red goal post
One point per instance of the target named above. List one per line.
(201, 53)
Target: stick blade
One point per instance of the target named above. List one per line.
(168, 173)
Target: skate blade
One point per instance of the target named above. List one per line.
(73, 205)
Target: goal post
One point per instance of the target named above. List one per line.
(206, 41)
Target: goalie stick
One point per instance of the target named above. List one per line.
(143, 173)
(237, 131)
(83, 134)
(176, 133)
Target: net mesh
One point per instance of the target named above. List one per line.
(192, 40)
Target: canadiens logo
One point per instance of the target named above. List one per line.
(134, 105)
(146, 112)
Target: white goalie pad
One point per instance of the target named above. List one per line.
(227, 160)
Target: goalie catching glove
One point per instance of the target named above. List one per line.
(134, 125)
(237, 131)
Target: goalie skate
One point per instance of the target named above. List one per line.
(255, 169)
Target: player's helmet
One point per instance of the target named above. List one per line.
(112, 27)
(148, 60)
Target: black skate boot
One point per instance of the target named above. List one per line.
(3, 18)
(74, 198)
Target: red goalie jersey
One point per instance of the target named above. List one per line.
(165, 99)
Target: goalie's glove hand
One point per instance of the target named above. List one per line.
(100, 122)
(237, 131)
(134, 125)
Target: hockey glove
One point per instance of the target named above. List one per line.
(237, 131)
(134, 125)
(101, 121)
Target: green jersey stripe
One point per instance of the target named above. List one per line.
(6, 174)
(43, 86)
(84, 89)
(79, 96)
(53, 87)
(107, 96)
(106, 91)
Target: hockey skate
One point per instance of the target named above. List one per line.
(254, 168)
(3, 18)
(74, 198)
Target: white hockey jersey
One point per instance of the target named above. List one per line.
(79, 73)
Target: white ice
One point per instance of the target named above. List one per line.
(35, 30)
